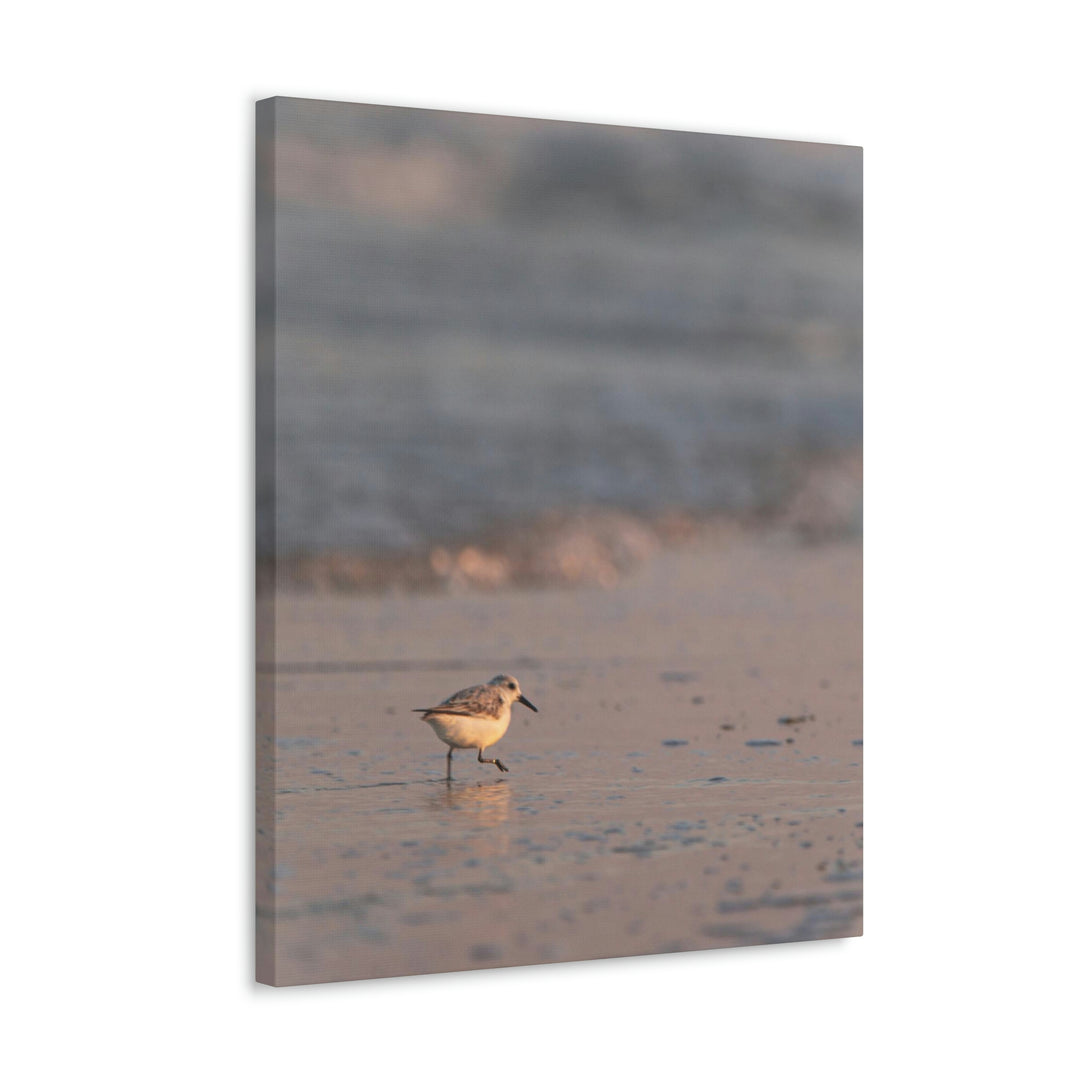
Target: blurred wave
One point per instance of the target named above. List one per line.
(473, 320)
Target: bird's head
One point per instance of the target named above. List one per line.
(513, 689)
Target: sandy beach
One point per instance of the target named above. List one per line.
(692, 780)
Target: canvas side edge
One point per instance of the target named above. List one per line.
(265, 538)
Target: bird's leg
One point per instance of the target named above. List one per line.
(449, 755)
(490, 760)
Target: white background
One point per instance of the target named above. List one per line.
(126, 440)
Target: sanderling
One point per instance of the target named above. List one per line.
(476, 716)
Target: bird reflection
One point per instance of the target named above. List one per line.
(480, 804)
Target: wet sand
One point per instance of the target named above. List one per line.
(656, 802)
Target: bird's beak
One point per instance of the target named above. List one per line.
(527, 703)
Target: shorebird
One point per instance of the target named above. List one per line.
(476, 716)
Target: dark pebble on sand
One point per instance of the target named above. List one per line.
(674, 742)
(764, 742)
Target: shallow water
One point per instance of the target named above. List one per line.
(659, 801)
(386, 877)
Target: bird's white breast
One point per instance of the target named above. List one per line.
(462, 731)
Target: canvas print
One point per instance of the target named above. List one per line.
(558, 527)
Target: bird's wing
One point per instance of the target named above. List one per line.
(473, 700)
